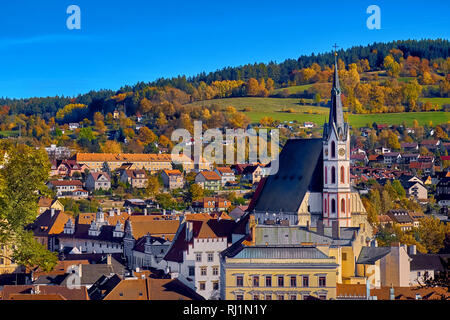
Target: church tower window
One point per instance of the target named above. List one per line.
(343, 205)
(342, 174)
(333, 206)
(333, 174)
(333, 149)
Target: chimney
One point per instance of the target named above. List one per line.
(80, 272)
(189, 230)
(36, 289)
(52, 212)
(320, 227)
(117, 210)
(108, 259)
(418, 296)
(412, 250)
(145, 211)
(335, 231)
(128, 210)
(111, 213)
(391, 293)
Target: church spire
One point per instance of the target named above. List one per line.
(336, 113)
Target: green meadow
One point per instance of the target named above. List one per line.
(272, 107)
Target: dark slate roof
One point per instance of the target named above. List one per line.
(300, 170)
(369, 255)
(426, 262)
(275, 252)
(103, 286)
(82, 232)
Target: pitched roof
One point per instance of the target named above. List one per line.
(18, 292)
(121, 157)
(201, 229)
(174, 172)
(369, 255)
(46, 224)
(223, 170)
(300, 170)
(97, 175)
(350, 291)
(58, 183)
(141, 225)
(426, 262)
(210, 175)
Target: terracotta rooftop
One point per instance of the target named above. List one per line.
(121, 157)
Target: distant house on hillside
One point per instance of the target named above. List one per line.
(98, 181)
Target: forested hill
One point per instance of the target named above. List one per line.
(189, 89)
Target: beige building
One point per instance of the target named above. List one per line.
(172, 179)
(149, 162)
(136, 178)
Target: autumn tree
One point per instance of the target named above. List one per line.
(432, 234)
(18, 204)
(153, 186)
(111, 146)
(146, 135)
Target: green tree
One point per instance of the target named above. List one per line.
(22, 181)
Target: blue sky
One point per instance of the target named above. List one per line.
(123, 42)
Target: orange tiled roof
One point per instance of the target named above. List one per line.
(224, 170)
(172, 172)
(210, 175)
(350, 290)
(141, 225)
(66, 183)
(121, 157)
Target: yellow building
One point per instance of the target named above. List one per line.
(6, 265)
(281, 272)
(149, 162)
(47, 204)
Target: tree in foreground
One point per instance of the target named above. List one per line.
(23, 173)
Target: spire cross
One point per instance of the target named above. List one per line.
(335, 47)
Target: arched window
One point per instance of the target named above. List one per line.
(343, 205)
(333, 206)
(342, 175)
(333, 174)
(326, 175)
(333, 149)
(325, 205)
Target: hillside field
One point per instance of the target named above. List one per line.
(271, 107)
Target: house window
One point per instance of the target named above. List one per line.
(191, 271)
(202, 285)
(293, 281)
(326, 175)
(268, 297)
(268, 281)
(256, 281)
(198, 257)
(239, 281)
(344, 256)
(342, 175)
(305, 281)
(255, 297)
(280, 281)
(333, 206)
(322, 282)
(343, 205)
(333, 174)
(280, 297)
(293, 297)
(215, 285)
(239, 297)
(203, 271)
(323, 297)
(215, 271)
(210, 257)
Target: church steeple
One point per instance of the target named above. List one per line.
(336, 117)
